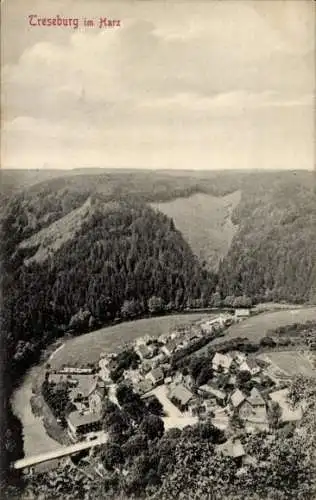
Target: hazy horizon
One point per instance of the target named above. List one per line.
(189, 86)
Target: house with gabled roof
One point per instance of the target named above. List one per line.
(237, 398)
(222, 360)
(156, 376)
(180, 397)
(232, 448)
(170, 347)
(251, 366)
(81, 423)
(253, 411)
(255, 398)
(144, 351)
(211, 392)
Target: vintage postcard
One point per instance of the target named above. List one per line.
(158, 250)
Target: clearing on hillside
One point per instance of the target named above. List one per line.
(50, 239)
(257, 327)
(87, 348)
(291, 362)
(205, 222)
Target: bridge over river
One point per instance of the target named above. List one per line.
(65, 451)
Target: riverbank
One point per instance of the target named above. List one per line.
(40, 430)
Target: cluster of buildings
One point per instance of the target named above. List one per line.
(178, 393)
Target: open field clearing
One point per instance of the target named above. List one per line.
(205, 222)
(289, 414)
(87, 348)
(291, 362)
(257, 327)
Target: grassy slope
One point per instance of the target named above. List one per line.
(87, 348)
(292, 362)
(50, 239)
(258, 326)
(205, 222)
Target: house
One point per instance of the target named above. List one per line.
(133, 375)
(254, 412)
(242, 313)
(170, 347)
(238, 357)
(222, 360)
(178, 378)
(255, 398)
(71, 370)
(81, 387)
(237, 398)
(144, 351)
(156, 376)
(146, 366)
(188, 382)
(251, 366)
(180, 397)
(144, 386)
(96, 397)
(80, 423)
(232, 380)
(232, 448)
(210, 392)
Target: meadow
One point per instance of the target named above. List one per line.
(88, 347)
(291, 362)
(205, 222)
(259, 326)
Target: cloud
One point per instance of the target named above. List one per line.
(165, 75)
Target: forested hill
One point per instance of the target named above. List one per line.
(122, 261)
(81, 250)
(265, 241)
(273, 254)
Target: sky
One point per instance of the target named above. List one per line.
(178, 85)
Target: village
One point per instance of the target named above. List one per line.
(235, 390)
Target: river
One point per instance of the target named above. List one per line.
(85, 348)
(35, 438)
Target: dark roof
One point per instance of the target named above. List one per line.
(77, 419)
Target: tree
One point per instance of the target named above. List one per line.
(130, 308)
(274, 414)
(125, 394)
(242, 378)
(135, 445)
(155, 305)
(112, 456)
(216, 300)
(152, 426)
(205, 375)
(228, 301)
(154, 406)
(242, 301)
